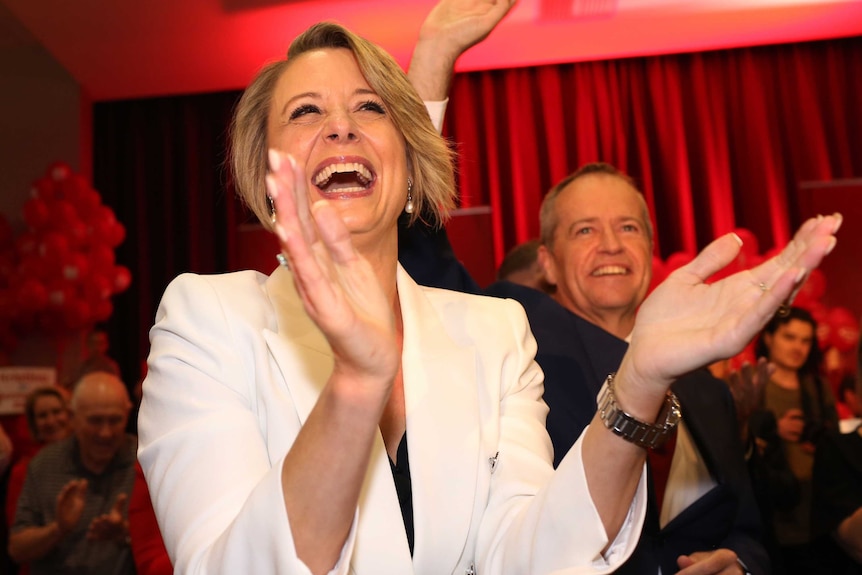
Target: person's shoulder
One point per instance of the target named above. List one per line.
(50, 456)
(239, 280)
(196, 294)
(443, 296)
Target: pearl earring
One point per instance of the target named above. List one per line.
(409, 206)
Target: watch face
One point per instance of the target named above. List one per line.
(671, 412)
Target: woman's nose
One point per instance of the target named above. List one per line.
(340, 128)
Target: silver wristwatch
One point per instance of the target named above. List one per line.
(646, 435)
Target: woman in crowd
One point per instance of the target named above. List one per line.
(336, 417)
(47, 414)
(797, 408)
(48, 420)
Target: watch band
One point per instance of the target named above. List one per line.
(646, 435)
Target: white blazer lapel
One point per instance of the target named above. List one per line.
(299, 348)
(304, 358)
(441, 398)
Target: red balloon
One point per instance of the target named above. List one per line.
(100, 222)
(814, 287)
(31, 296)
(804, 301)
(35, 266)
(36, 213)
(61, 213)
(60, 293)
(88, 200)
(117, 234)
(102, 310)
(43, 188)
(77, 233)
(72, 187)
(845, 329)
(54, 246)
(26, 244)
(750, 245)
(59, 171)
(122, 279)
(101, 257)
(824, 331)
(77, 314)
(75, 267)
(97, 287)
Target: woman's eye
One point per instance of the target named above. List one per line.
(372, 106)
(304, 110)
(583, 231)
(630, 228)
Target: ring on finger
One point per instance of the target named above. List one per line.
(282, 260)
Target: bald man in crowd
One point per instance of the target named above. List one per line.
(71, 515)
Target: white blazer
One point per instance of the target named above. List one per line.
(236, 366)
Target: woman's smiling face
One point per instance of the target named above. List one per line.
(325, 115)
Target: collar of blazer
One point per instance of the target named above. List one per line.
(442, 402)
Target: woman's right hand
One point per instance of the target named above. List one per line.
(339, 289)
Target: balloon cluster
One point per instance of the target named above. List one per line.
(837, 327)
(58, 276)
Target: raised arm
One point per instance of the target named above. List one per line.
(450, 29)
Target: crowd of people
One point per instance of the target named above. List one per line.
(369, 408)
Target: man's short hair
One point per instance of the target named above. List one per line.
(548, 217)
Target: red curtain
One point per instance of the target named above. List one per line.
(716, 140)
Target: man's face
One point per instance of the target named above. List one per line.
(790, 345)
(100, 425)
(600, 258)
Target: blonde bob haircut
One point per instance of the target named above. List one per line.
(429, 158)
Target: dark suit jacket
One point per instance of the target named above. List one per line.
(576, 357)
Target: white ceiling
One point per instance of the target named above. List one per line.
(122, 49)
